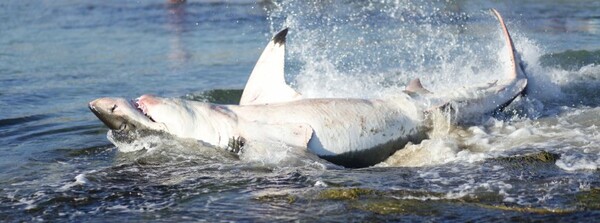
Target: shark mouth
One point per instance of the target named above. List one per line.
(141, 107)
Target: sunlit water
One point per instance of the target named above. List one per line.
(538, 160)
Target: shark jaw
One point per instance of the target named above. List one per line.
(122, 115)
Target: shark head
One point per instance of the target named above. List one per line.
(122, 115)
(147, 113)
(207, 123)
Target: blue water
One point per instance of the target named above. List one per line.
(56, 163)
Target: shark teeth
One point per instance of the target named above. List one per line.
(141, 108)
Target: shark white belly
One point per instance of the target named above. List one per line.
(349, 132)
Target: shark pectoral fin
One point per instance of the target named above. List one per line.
(416, 87)
(291, 134)
(266, 83)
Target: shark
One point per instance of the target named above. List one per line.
(350, 132)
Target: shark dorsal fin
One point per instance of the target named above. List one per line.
(267, 82)
(415, 86)
(517, 70)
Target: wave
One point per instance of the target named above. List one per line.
(571, 59)
(20, 120)
(44, 129)
(580, 85)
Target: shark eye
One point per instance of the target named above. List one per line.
(113, 108)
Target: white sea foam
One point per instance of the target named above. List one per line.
(578, 162)
(428, 152)
(135, 142)
(281, 155)
(320, 183)
(80, 179)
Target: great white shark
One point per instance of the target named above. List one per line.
(345, 131)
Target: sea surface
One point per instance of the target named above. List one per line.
(536, 160)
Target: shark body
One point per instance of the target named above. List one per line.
(345, 131)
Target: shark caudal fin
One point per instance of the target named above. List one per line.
(517, 70)
(266, 83)
(473, 101)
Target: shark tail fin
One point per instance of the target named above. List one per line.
(517, 67)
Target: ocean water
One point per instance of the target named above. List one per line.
(537, 160)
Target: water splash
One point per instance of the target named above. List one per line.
(372, 49)
(369, 49)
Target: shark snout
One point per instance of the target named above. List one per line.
(102, 104)
(104, 109)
